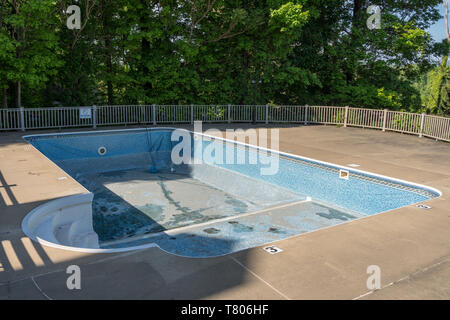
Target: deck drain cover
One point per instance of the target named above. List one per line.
(272, 249)
(423, 206)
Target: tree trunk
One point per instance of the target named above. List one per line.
(5, 98)
(358, 6)
(447, 31)
(109, 69)
(442, 74)
(18, 94)
(443, 69)
(357, 23)
(145, 50)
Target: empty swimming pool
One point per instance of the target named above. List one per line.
(140, 196)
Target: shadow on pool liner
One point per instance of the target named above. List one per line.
(136, 202)
(239, 233)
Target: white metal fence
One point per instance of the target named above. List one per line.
(93, 116)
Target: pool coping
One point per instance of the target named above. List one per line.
(407, 244)
(289, 155)
(150, 245)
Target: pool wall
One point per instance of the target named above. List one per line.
(63, 221)
(363, 192)
(77, 153)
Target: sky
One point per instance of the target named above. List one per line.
(438, 29)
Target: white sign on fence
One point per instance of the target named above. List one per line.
(85, 113)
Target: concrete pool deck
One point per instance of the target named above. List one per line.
(410, 245)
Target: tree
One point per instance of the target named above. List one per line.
(29, 50)
(218, 52)
(436, 84)
(442, 84)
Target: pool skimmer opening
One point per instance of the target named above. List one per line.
(344, 174)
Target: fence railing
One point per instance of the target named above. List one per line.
(92, 116)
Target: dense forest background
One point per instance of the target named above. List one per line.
(316, 52)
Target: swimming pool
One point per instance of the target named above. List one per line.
(205, 208)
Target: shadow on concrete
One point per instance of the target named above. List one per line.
(30, 270)
(7, 188)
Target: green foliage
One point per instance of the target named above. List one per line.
(29, 43)
(435, 89)
(214, 112)
(223, 51)
(339, 117)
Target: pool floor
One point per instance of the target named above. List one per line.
(188, 217)
(135, 202)
(246, 231)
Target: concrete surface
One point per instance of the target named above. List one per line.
(410, 245)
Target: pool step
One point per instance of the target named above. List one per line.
(66, 221)
(71, 234)
(79, 236)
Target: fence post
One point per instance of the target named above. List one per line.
(384, 119)
(346, 117)
(192, 114)
(94, 116)
(22, 119)
(229, 113)
(267, 113)
(8, 125)
(306, 115)
(422, 122)
(154, 114)
(61, 123)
